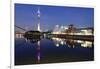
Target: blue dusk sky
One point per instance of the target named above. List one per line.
(26, 16)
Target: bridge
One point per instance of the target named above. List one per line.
(19, 34)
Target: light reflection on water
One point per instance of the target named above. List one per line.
(71, 42)
(52, 50)
(38, 52)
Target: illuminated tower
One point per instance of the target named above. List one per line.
(38, 15)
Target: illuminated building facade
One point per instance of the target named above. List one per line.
(71, 30)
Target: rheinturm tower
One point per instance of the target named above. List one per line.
(38, 15)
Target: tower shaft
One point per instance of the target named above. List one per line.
(38, 15)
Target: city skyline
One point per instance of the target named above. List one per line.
(26, 16)
(53, 34)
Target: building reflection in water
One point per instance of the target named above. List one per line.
(38, 52)
(87, 44)
(72, 43)
(37, 48)
(60, 42)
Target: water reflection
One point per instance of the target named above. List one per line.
(36, 40)
(71, 43)
(87, 44)
(38, 52)
(32, 40)
(61, 41)
(52, 49)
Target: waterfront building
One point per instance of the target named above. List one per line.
(19, 35)
(84, 31)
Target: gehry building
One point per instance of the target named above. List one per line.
(71, 30)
